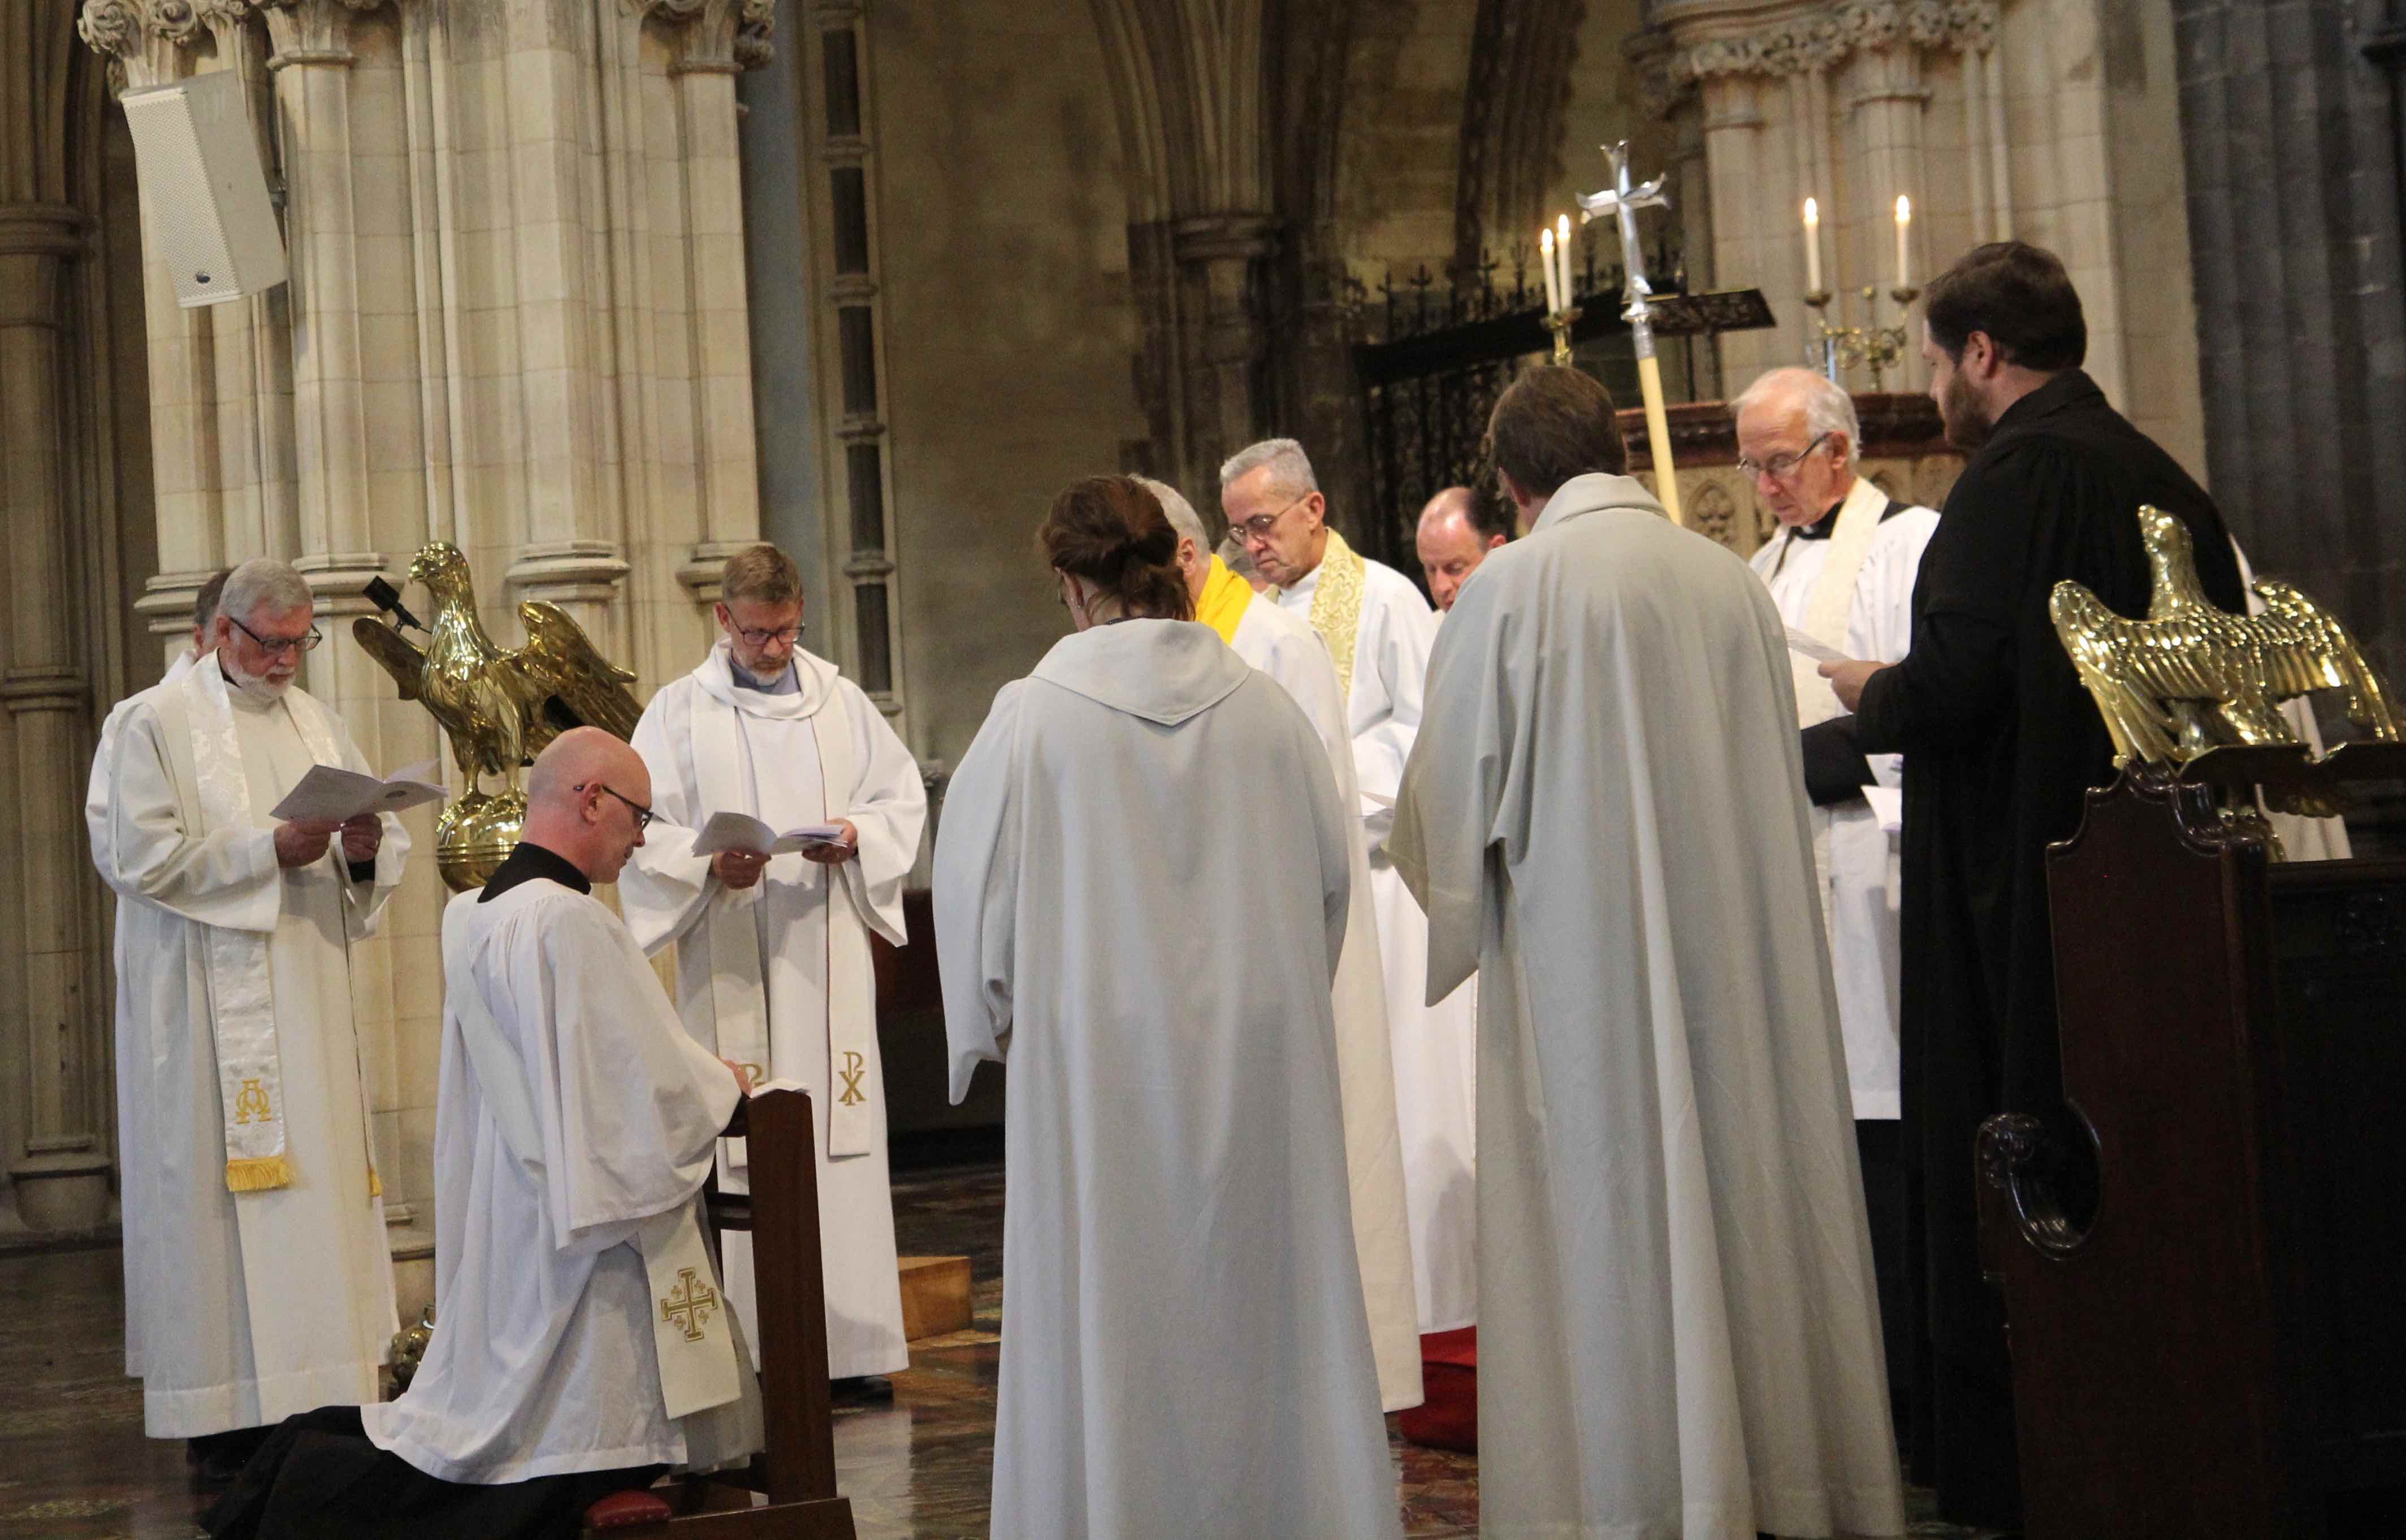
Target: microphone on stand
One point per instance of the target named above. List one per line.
(385, 597)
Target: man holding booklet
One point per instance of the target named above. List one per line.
(258, 1281)
(790, 819)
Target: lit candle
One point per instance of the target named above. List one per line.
(1553, 281)
(1904, 228)
(1563, 255)
(1812, 247)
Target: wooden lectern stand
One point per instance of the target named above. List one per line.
(797, 1471)
(2222, 1350)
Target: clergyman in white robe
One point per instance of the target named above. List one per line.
(1184, 1346)
(1378, 630)
(780, 975)
(1605, 816)
(248, 1304)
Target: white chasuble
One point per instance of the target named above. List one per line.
(1184, 1346)
(1604, 813)
(779, 975)
(1853, 590)
(246, 1305)
(578, 1325)
(1384, 627)
(1291, 652)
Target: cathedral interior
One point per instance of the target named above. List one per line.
(600, 292)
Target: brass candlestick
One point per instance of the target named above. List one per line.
(1560, 323)
(1877, 347)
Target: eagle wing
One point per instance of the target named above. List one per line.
(568, 678)
(398, 655)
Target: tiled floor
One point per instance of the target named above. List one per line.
(74, 1463)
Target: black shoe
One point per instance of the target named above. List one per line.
(217, 1457)
(862, 1391)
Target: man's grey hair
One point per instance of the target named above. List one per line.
(264, 583)
(1181, 513)
(1828, 408)
(1290, 467)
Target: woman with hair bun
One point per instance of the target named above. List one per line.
(1185, 1350)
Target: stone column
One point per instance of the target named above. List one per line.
(1220, 263)
(59, 1164)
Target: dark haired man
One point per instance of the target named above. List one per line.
(1604, 814)
(2000, 742)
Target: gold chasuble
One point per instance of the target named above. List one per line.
(1224, 600)
(1336, 605)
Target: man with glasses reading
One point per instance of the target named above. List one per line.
(258, 1280)
(1379, 631)
(1841, 570)
(773, 968)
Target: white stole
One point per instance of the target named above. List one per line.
(692, 1330)
(739, 994)
(242, 992)
(1826, 610)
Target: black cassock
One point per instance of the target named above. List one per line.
(2000, 741)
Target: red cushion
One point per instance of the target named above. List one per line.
(623, 1509)
(1448, 1415)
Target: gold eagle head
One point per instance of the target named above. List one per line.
(442, 569)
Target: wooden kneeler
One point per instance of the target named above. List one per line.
(797, 1470)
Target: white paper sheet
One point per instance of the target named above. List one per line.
(331, 792)
(742, 831)
(1819, 652)
(1888, 805)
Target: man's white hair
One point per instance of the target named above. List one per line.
(262, 583)
(1828, 408)
(1182, 514)
(1290, 467)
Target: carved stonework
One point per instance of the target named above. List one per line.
(144, 42)
(311, 32)
(717, 36)
(1817, 42)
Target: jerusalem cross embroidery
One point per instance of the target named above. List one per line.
(855, 1067)
(692, 1300)
(251, 1102)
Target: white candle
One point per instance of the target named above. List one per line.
(1546, 260)
(1904, 228)
(1563, 255)
(1812, 247)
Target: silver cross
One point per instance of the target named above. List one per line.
(1624, 201)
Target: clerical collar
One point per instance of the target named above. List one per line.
(787, 682)
(1821, 528)
(529, 862)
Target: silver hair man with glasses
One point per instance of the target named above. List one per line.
(773, 966)
(1379, 631)
(1841, 571)
(258, 1280)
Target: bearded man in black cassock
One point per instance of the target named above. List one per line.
(2000, 741)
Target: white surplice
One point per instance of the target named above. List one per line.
(133, 1102)
(777, 965)
(1288, 650)
(244, 1308)
(1434, 1046)
(1184, 1346)
(544, 1360)
(1604, 813)
(1853, 589)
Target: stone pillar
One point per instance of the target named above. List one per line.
(60, 1161)
(2289, 123)
(1219, 265)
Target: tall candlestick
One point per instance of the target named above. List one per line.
(1563, 255)
(1904, 228)
(1553, 281)
(1812, 247)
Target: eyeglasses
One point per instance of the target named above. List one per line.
(278, 646)
(789, 635)
(644, 815)
(1779, 467)
(1259, 526)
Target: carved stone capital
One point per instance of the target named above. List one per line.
(1818, 37)
(717, 36)
(311, 32)
(145, 41)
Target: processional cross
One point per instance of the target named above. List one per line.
(1622, 202)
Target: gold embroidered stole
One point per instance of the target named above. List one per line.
(1337, 606)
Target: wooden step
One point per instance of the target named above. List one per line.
(935, 1296)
